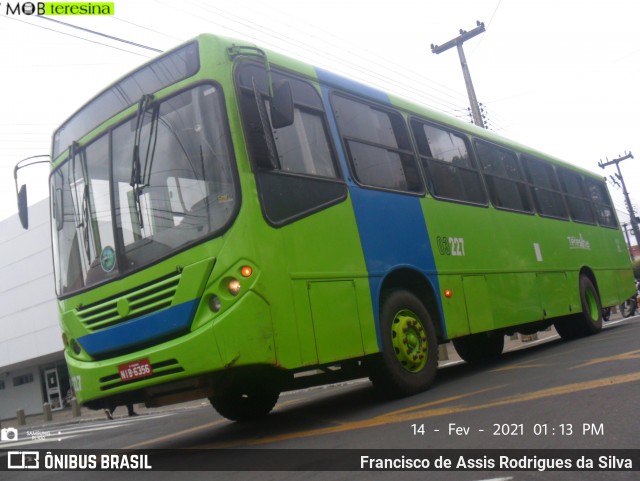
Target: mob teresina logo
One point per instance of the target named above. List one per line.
(58, 8)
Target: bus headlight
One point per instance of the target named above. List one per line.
(234, 287)
(76, 347)
(214, 303)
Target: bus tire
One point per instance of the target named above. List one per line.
(628, 307)
(479, 348)
(248, 404)
(589, 321)
(409, 359)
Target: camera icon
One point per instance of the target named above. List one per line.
(9, 434)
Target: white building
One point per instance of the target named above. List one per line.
(32, 367)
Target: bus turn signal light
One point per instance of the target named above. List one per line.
(447, 293)
(246, 271)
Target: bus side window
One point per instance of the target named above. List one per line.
(602, 202)
(503, 177)
(377, 145)
(451, 171)
(303, 147)
(302, 176)
(576, 196)
(545, 188)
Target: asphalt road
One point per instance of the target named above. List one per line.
(581, 395)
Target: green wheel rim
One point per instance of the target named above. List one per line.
(592, 305)
(409, 341)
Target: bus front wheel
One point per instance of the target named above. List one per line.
(409, 358)
(589, 321)
(248, 404)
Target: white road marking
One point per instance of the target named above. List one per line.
(67, 432)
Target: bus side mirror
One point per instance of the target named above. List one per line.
(23, 210)
(281, 105)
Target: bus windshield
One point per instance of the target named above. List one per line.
(143, 190)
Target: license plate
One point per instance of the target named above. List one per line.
(135, 370)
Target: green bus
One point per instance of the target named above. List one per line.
(229, 223)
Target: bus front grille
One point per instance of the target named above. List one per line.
(143, 300)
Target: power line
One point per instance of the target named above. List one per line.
(111, 37)
(146, 28)
(363, 74)
(73, 36)
(488, 25)
(374, 58)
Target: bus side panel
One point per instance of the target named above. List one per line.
(626, 283)
(554, 293)
(336, 323)
(322, 312)
(614, 282)
(479, 305)
(456, 307)
(516, 299)
(304, 323)
(245, 334)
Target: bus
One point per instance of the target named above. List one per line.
(230, 223)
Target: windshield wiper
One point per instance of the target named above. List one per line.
(81, 203)
(272, 160)
(138, 175)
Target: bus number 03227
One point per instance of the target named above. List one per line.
(451, 246)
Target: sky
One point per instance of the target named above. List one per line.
(561, 76)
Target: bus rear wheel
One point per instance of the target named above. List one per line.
(589, 321)
(248, 404)
(481, 347)
(409, 358)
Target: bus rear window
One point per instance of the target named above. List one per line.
(602, 203)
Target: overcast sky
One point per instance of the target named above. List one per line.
(562, 76)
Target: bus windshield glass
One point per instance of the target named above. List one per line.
(155, 184)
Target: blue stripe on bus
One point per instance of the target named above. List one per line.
(394, 235)
(333, 80)
(392, 227)
(141, 330)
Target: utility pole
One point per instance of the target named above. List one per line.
(626, 234)
(634, 219)
(457, 42)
